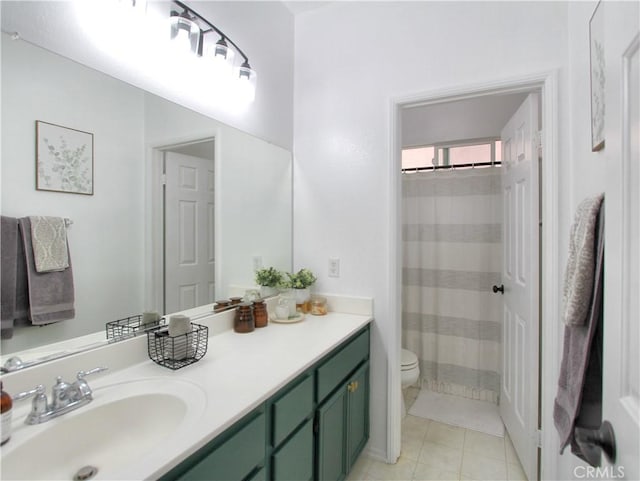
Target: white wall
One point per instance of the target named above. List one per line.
(351, 59)
(585, 172)
(106, 238)
(263, 30)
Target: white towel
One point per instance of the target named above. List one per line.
(578, 282)
(181, 340)
(49, 239)
(179, 325)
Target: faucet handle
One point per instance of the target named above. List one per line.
(39, 405)
(81, 374)
(13, 364)
(38, 390)
(82, 384)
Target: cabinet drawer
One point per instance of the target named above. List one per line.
(261, 475)
(236, 458)
(291, 409)
(336, 369)
(294, 460)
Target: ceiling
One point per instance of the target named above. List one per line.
(472, 118)
(301, 6)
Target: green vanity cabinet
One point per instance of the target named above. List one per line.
(293, 461)
(238, 453)
(343, 426)
(312, 429)
(357, 414)
(291, 444)
(332, 437)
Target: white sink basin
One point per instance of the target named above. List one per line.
(124, 423)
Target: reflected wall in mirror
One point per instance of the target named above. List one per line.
(116, 241)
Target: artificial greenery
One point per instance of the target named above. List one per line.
(300, 280)
(269, 277)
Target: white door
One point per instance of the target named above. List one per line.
(189, 239)
(621, 355)
(519, 391)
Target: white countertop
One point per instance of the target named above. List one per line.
(238, 373)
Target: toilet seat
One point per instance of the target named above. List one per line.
(409, 360)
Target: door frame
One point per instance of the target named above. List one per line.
(154, 212)
(546, 83)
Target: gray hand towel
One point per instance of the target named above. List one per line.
(579, 397)
(578, 282)
(51, 294)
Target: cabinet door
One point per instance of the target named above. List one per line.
(332, 437)
(358, 413)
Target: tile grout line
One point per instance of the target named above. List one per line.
(464, 444)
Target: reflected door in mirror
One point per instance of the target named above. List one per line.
(189, 232)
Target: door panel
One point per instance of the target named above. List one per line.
(621, 357)
(189, 257)
(519, 391)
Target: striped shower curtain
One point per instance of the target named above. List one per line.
(452, 241)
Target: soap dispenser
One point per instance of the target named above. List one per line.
(5, 408)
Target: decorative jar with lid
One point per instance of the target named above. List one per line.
(244, 321)
(260, 314)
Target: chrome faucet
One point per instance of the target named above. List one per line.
(65, 397)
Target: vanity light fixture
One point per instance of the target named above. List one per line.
(185, 32)
(191, 23)
(173, 43)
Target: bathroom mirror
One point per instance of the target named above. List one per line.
(118, 235)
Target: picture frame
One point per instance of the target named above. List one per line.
(597, 77)
(64, 159)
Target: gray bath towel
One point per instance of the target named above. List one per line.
(578, 401)
(51, 294)
(15, 300)
(578, 282)
(9, 255)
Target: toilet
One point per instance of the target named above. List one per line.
(410, 372)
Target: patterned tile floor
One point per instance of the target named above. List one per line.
(436, 451)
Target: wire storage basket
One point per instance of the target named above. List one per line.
(129, 326)
(179, 351)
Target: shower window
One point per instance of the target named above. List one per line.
(418, 157)
(463, 154)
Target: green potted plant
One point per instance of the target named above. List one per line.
(269, 279)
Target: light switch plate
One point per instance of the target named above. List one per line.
(334, 267)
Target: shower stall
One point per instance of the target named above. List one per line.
(452, 244)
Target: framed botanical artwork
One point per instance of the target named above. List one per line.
(64, 159)
(596, 49)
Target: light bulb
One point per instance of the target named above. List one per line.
(185, 33)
